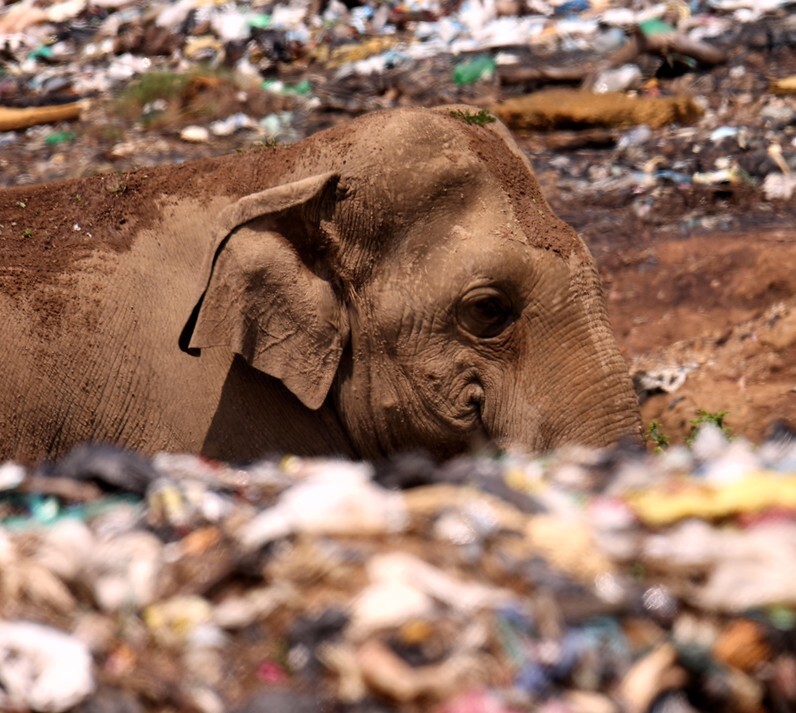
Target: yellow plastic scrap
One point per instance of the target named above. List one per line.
(522, 482)
(755, 493)
(784, 86)
(568, 544)
(355, 52)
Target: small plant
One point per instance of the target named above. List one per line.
(78, 198)
(269, 142)
(153, 86)
(715, 417)
(657, 437)
(116, 185)
(479, 118)
(27, 232)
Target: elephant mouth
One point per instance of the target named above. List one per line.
(473, 415)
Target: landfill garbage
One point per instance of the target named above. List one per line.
(474, 70)
(581, 580)
(41, 668)
(568, 109)
(191, 79)
(784, 86)
(12, 118)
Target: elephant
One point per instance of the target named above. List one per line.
(393, 283)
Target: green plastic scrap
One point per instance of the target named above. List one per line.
(44, 509)
(277, 87)
(474, 70)
(43, 52)
(259, 22)
(60, 137)
(655, 27)
(47, 510)
(782, 617)
(511, 640)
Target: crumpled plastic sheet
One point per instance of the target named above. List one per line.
(42, 668)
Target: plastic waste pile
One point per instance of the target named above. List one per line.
(162, 81)
(581, 581)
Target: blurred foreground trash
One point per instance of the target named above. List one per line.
(42, 668)
(579, 581)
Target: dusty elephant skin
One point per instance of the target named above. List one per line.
(398, 282)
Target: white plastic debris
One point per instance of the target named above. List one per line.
(388, 604)
(628, 76)
(195, 134)
(779, 187)
(41, 668)
(233, 123)
(173, 14)
(754, 568)
(11, 475)
(459, 595)
(229, 24)
(65, 547)
(63, 11)
(333, 500)
(124, 572)
(405, 588)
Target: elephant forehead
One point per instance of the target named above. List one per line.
(415, 157)
(416, 183)
(477, 223)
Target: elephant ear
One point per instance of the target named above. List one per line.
(268, 292)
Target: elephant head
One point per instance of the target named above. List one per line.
(408, 270)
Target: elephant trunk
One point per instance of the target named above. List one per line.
(585, 412)
(580, 394)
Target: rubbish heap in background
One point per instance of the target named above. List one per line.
(579, 582)
(686, 95)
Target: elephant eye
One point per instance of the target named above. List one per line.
(485, 312)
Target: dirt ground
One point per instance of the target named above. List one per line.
(719, 307)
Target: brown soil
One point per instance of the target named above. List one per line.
(722, 305)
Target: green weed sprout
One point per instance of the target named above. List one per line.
(715, 417)
(658, 438)
(480, 118)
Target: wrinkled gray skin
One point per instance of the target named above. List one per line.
(395, 283)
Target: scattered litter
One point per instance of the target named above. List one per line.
(585, 579)
(42, 668)
(195, 134)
